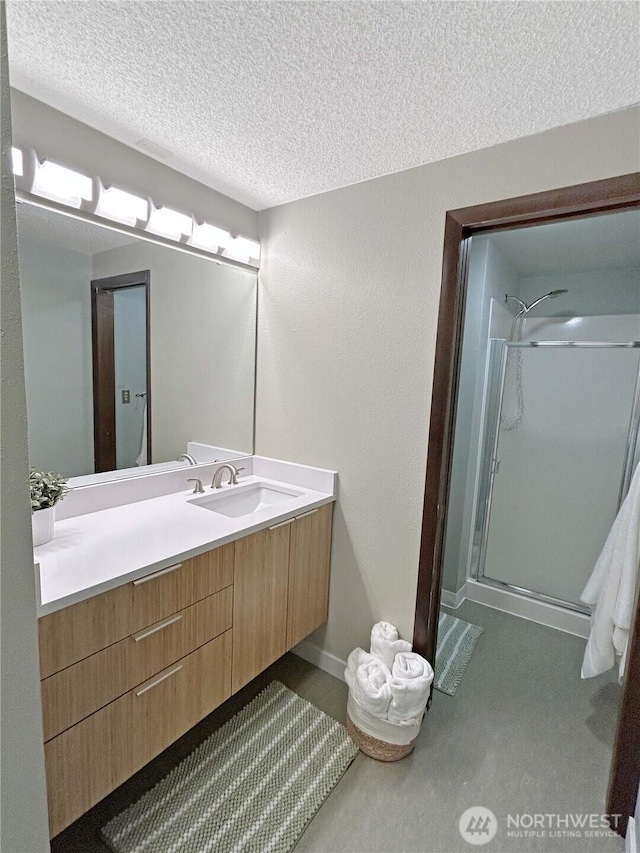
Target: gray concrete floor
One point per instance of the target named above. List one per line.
(524, 735)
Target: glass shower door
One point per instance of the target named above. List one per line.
(556, 465)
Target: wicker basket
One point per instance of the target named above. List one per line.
(378, 749)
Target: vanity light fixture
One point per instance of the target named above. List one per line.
(121, 206)
(17, 162)
(169, 223)
(209, 237)
(61, 184)
(243, 249)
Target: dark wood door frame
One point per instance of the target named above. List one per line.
(104, 404)
(569, 202)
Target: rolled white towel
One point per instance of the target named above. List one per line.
(356, 659)
(385, 643)
(411, 679)
(371, 688)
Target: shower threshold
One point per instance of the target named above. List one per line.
(563, 616)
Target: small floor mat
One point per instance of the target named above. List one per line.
(252, 786)
(456, 641)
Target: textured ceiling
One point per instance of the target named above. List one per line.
(65, 232)
(272, 101)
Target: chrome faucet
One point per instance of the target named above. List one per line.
(216, 483)
(186, 457)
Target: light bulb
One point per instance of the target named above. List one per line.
(122, 206)
(17, 162)
(62, 184)
(209, 237)
(243, 249)
(169, 223)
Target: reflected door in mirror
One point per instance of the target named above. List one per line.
(121, 371)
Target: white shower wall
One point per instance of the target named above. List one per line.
(555, 495)
(490, 277)
(612, 327)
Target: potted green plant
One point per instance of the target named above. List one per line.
(46, 490)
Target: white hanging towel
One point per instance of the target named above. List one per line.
(142, 458)
(612, 589)
(385, 643)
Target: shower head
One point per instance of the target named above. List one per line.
(551, 295)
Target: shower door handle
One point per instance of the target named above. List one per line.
(495, 466)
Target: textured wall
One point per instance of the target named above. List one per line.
(56, 308)
(22, 786)
(348, 308)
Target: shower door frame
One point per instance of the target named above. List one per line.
(580, 200)
(489, 465)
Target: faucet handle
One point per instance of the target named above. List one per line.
(234, 476)
(198, 489)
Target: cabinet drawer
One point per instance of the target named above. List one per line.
(73, 693)
(92, 758)
(80, 630)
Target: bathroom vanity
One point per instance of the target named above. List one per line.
(134, 654)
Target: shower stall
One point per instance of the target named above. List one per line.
(548, 414)
(559, 443)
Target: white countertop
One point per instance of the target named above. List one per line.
(97, 551)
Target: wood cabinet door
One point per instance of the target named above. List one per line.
(261, 569)
(309, 564)
(89, 760)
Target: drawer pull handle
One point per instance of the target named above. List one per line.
(159, 680)
(155, 575)
(305, 514)
(157, 627)
(282, 524)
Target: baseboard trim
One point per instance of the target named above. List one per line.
(453, 600)
(499, 599)
(550, 615)
(323, 660)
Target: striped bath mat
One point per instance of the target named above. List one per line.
(456, 641)
(252, 786)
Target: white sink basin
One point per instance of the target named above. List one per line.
(244, 500)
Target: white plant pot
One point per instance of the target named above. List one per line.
(42, 521)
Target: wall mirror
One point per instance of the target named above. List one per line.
(135, 353)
